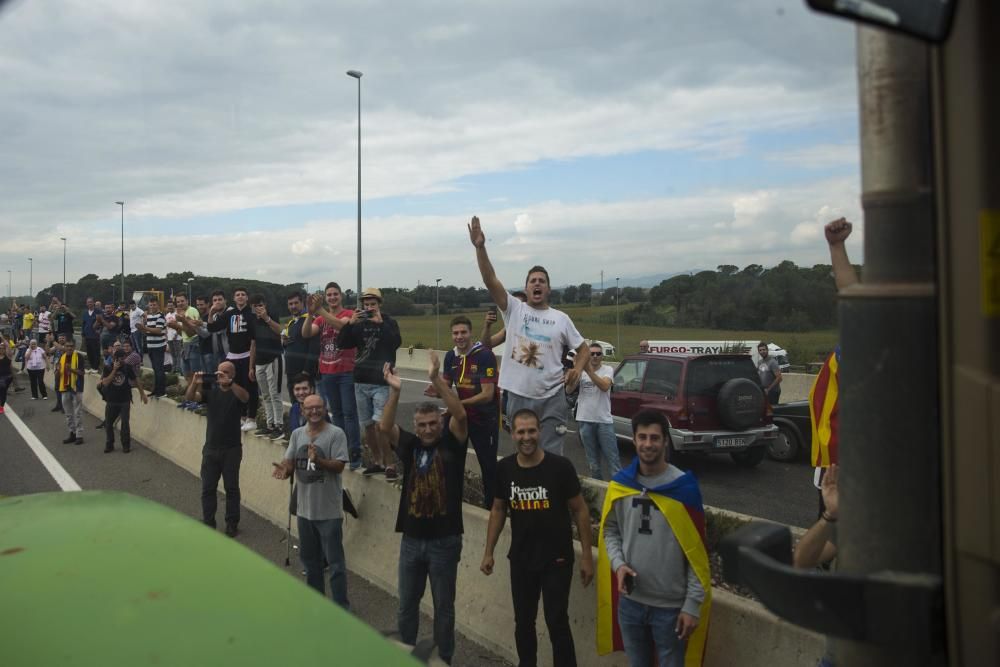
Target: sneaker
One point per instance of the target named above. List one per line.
(349, 504)
(277, 433)
(108, 449)
(390, 474)
(263, 431)
(34, 398)
(45, 398)
(373, 469)
(126, 449)
(232, 530)
(183, 404)
(356, 460)
(99, 426)
(248, 425)
(79, 440)
(70, 439)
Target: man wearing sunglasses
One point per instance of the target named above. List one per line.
(593, 414)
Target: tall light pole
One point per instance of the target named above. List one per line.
(122, 204)
(189, 291)
(437, 312)
(618, 328)
(10, 284)
(63, 239)
(31, 277)
(357, 75)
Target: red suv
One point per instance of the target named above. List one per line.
(714, 402)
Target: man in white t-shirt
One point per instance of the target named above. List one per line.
(593, 414)
(531, 370)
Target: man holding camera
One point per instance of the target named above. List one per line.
(223, 449)
(117, 383)
(376, 337)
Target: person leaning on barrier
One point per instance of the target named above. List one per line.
(430, 505)
(317, 454)
(541, 492)
(223, 450)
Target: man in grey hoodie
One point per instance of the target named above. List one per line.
(660, 592)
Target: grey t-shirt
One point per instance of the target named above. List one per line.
(768, 369)
(637, 534)
(319, 490)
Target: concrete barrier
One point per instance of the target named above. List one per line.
(796, 386)
(742, 631)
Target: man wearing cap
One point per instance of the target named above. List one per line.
(376, 338)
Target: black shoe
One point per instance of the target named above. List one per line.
(126, 449)
(390, 474)
(349, 504)
(108, 449)
(79, 440)
(99, 426)
(57, 408)
(70, 440)
(232, 530)
(373, 469)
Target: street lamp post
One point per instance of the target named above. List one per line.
(31, 279)
(10, 284)
(63, 239)
(437, 312)
(122, 205)
(357, 75)
(189, 290)
(618, 328)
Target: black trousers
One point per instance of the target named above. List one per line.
(224, 463)
(249, 409)
(113, 411)
(552, 584)
(93, 347)
(37, 382)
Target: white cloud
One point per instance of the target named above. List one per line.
(819, 156)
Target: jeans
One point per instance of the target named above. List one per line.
(37, 378)
(371, 400)
(599, 439)
(224, 463)
(113, 411)
(437, 559)
(485, 438)
(269, 382)
(642, 623)
(72, 404)
(552, 584)
(208, 363)
(156, 357)
(191, 357)
(319, 539)
(337, 389)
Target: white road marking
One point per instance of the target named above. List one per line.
(59, 474)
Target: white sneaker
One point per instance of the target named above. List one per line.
(248, 425)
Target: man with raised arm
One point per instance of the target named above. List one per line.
(430, 505)
(532, 370)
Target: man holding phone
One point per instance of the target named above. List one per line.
(651, 548)
(223, 450)
(118, 380)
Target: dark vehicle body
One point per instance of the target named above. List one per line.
(794, 439)
(714, 402)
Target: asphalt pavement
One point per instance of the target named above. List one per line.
(146, 474)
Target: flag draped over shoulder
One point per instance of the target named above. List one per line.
(824, 412)
(680, 503)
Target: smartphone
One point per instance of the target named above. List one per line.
(629, 583)
(493, 311)
(207, 380)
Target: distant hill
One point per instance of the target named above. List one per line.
(644, 282)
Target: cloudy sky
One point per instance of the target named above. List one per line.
(636, 138)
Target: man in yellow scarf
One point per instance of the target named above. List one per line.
(70, 385)
(653, 582)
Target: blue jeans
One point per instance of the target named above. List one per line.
(191, 357)
(418, 560)
(641, 623)
(316, 540)
(337, 389)
(209, 363)
(599, 439)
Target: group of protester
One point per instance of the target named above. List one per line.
(654, 590)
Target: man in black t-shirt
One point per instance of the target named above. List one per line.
(223, 449)
(238, 323)
(539, 490)
(430, 506)
(117, 383)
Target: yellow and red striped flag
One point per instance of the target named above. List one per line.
(824, 412)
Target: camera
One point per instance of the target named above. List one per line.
(365, 315)
(207, 379)
(119, 355)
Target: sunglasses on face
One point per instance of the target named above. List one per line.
(597, 354)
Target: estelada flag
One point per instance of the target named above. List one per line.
(824, 412)
(680, 503)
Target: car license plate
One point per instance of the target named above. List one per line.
(729, 443)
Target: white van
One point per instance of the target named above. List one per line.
(714, 347)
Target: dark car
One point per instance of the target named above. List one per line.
(794, 431)
(714, 402)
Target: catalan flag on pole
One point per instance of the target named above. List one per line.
(824, 412)
(680, 503)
